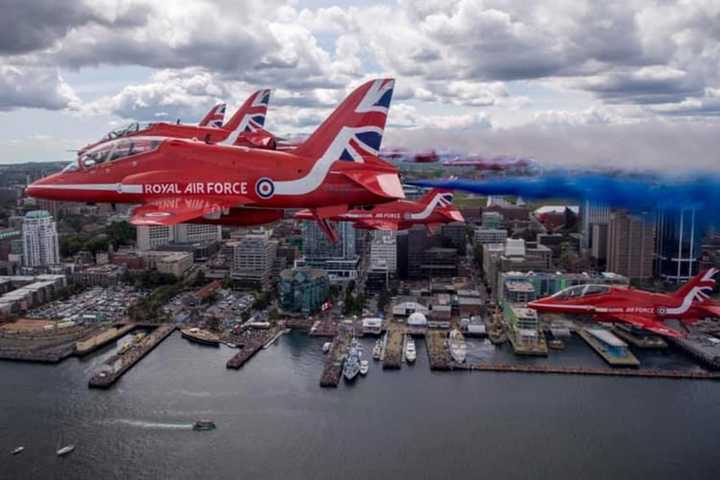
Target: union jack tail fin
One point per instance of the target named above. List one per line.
(353, 132)
(249, 117)
(699, 287)
(438, 196)
(215, 117)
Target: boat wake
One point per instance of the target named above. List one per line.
(151, 425)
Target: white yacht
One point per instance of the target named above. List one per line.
(364, 367)
(18, 450)
(410, 353)
(458, 349)
(326, 347)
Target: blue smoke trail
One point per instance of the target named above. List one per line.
(636, 193)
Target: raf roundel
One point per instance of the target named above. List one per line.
(265, 188)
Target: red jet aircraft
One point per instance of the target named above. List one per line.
(637, 307)
(240, 129)
(180, 180)
(215, 117)
(434, 209)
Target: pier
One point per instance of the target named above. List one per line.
(30, 342)
(393, 349)
(250, 342)
(91, 344)
(335, 358)
(117, 365)
(623, 358)
(609, 372)
(639, 341)
(437, 350)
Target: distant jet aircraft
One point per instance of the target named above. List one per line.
(180, 180)
(637, 307)
(249, 118)
(215, 117)
(434, 209)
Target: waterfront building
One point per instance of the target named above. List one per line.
(631, 245)
(547, 283)
(40, 240)
(679, 244)
(303, 290)
(523, 323)
(514, 255)
(518, 291)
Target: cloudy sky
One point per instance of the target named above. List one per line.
(632, 83)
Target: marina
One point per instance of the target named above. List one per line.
(335, 358)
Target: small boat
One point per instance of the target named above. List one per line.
(204, 425)
(18, 450)
(203, 337)
(364, 367)
(458, 349)
(410, 353)
(326, 347)
(67, 449)
(377, 349)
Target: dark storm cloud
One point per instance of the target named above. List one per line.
(28, 25)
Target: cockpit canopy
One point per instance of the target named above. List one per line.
(116, 150)
(130, 129)
(581, 291)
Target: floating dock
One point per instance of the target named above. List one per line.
(615, 356)
(85, 347)
(393, 349)
(335, 359)
(701, 347)
(640, 341)
(116, 366)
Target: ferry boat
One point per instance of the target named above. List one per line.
(204, 425)
(352, 363)
(202, 337)
(18, 450)
(457, 346)
(66, 450)
(364, 367)
(410, 353)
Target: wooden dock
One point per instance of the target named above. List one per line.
(610, 372)
(628, 360)
(335, 359)
(437, 350)
(117, 365)
(394, 349)
(109, 335)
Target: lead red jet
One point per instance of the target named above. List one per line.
(433, 209)
(179, 180)
(240, 129)
(638, 308)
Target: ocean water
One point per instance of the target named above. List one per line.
(275, 422)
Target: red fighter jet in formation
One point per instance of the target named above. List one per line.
(636, 307)
(245, 127)
(188, 180)
(434, 209)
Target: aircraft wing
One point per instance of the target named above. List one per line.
(174, 210)
(710, 310)
(646, 323)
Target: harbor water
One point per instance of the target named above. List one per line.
(275, 422)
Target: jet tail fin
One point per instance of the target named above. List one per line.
(249, 117)
(354, 131)
(215, 117)
(698, 287)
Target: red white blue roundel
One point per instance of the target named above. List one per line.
(265, 188)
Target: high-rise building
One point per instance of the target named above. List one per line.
(631, 244)
(591, 214)
(253, 257)
(197, 232)
(484, 235)
(40, 240)
(679, 241)
(383, 249)
(150, 237)
(339, 259)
